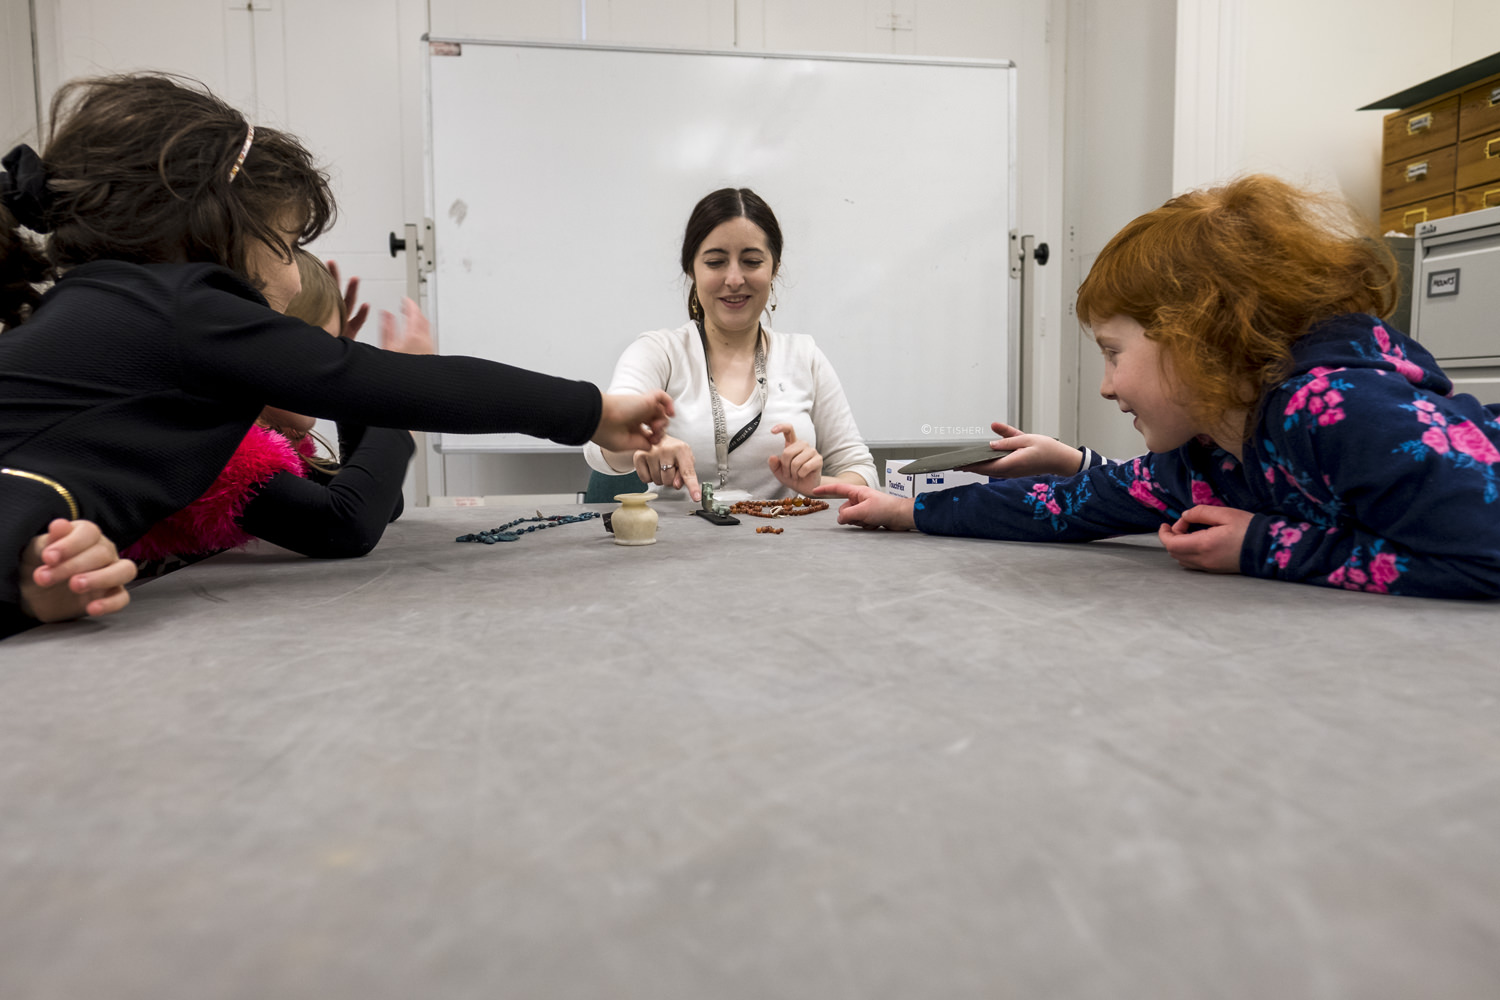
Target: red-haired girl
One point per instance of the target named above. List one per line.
(1292, 435)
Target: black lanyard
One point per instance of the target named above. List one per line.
(723, 442)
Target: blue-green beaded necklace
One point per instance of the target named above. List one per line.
(504, 534)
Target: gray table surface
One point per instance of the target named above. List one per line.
(827, 763)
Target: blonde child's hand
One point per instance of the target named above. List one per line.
(415, 335)
(1028, 455)
(357, 316)
(869, 507)
(1214, 549)
(669, 463)
(799, 467)
(629, 422)
(71, 571)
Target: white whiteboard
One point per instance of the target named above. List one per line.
(561, 178)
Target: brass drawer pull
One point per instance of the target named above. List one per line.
(1484, 202)
(1495, 97)
(1492, 148)
(1416, 171)
(1406, 217)
(1417, 123)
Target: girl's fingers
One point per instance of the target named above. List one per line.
(115, 574)
(109, 603)
(66, 539)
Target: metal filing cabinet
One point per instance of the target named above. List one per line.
(1455, 303)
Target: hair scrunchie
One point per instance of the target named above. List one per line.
(24, 190)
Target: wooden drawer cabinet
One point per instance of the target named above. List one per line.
(1406, 218)
(1441, 152)
(1479, 109)
(1412, 132)
(1422, 179)
(1478, 160)
(1475, 198)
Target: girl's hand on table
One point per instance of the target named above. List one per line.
(1214, 549)
(869, 507)
(72, 571)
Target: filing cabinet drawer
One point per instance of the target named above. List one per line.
(1407, 182)
(1410, 133)
(1475, 198)
(1478, 160)
(1479, 109)
(1406, 218)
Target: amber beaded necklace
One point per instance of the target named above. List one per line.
(789, 507)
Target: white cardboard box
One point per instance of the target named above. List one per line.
(913, 486)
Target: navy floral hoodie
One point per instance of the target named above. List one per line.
(1364, 472)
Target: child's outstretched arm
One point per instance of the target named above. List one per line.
(73, 571)
(869, 507)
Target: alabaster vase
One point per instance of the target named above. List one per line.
(634, 521)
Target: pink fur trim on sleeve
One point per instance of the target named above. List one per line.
(208, 523)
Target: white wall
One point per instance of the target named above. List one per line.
(1120, 85)
(18, 114)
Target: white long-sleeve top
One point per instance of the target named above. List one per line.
(802, 390)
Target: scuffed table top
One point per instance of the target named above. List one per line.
(826, 763)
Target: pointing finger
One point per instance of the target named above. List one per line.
(787, 429)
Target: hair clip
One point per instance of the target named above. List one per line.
(239, 161)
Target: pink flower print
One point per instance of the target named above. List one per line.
(1426, 404)
(1337, 577)
(1283, 556)
(1470, 440)
(1331, 417)
(1424, 418)
(1435, 439)
(1357, 576)
(1383, 569)
(1381, 337)
(1413, 373)
(1043, 494)
(1204, 494)
(1315, 404)
(1289, 536)
(1142, 492)
(1333, 397)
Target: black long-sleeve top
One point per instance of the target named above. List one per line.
(334, 515)
(132, 385)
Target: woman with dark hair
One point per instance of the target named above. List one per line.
(758, 412)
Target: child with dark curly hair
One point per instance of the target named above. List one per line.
(1292, 435)
(169, 223)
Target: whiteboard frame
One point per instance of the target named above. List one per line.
(1014, 405)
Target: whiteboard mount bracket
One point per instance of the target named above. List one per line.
(419, 250)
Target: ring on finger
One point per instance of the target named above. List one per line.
(665, 466)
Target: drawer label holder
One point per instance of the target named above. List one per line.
(1440, 283)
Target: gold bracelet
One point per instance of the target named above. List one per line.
(62, 490)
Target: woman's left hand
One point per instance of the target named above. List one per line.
(1214, 549)
(799, 467)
